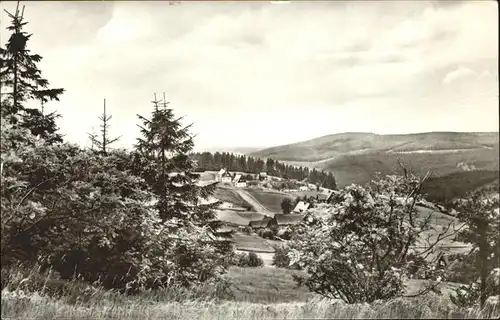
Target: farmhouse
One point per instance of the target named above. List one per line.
(325, 196)
(239, 181)
(283, 220)
(263, 176)
(226, 205)
(252, 216)
(301, 207)
(266, 222)
(222, 234)
(211, 200)
(224, 176)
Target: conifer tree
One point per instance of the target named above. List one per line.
(21, 81)
(103, 142)
(162, 160)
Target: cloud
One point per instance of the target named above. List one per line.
(266, 72)
(126, 24)
(458, 74)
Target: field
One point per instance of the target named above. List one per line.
(252, 243)
(207, 176)
(270, 200)
(254, 293)
(230, 195)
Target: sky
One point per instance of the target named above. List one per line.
(258, 74)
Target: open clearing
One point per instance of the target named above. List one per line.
(269, 200)
(230, 195)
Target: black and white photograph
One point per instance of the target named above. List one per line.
(250, 159)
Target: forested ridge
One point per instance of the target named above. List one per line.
(218, 160)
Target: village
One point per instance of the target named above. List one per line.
(257, 227)
(248, 208)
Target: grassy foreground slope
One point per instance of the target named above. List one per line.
(255, 293)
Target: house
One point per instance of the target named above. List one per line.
(241, 184)
(252, 216)
(210, 200)
(224, 176)
(266, 222)
(301, 207)
(325, 196)
(239, 181)
(222, 234)
(237, 178)
(201, 183)
(226, 205)
(263, 176)
(283, 220)
(303, 188)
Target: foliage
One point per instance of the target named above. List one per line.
(22, 81)
(266, 233)
(463, 269)
(161, 159)
(360, 251)
(249, 259)
(286, 205)
(281, 258)
(479, 211)
(89, 214)
(470, 295)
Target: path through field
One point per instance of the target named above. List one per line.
(258, 207)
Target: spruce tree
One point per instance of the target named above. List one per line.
(103, 141)
(162, 160)
(21, 81)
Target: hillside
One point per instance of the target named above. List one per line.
(356, 157)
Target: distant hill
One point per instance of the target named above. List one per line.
(356, 157)
(234, 150)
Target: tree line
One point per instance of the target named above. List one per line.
(218, 160)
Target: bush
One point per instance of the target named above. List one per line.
(355, 250)
(266, 233)
(250, 259)
(281, 258)
(247, 230)
(86, 214)
(469, 295)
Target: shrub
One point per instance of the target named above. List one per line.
(267, 234)
(358, 250)
(470, 295)
(85, 214)
(247, 230)
(250, 259)
(281, 258)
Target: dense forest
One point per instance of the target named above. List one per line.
(214, 162)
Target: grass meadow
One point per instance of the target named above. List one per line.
(253, 293)
(270, 200)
